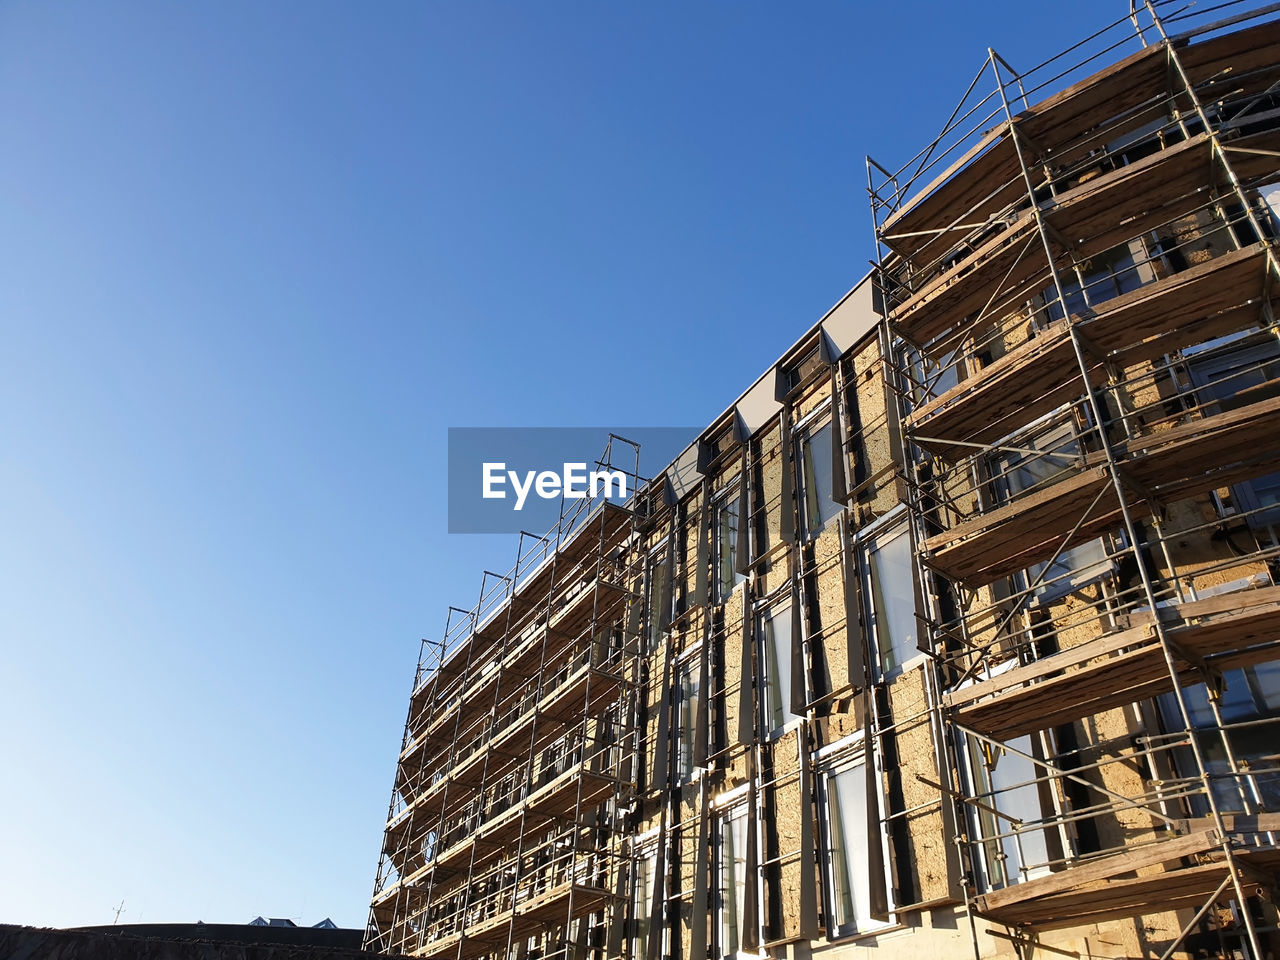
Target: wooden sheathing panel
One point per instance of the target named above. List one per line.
(699, 549)
(1189, 528)
(688, 551)
(683, 635)
(1200, 237)
(1121, 826)
(1202, 561)
(840, 723)
(857, 470)
(880, 492)
(726, 474)
(733, 759)
(828, 641)
(783, 832)
(926, 838)
(685, 850)
(655, 670)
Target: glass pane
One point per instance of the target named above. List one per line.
(893, 600)
(727, 576)
(643, 900)
(1071, 570)
(688, 720)
(658, 599)
(1002, 782)
(777, 668)
(732, 879)
(1267, 681)
(845, 796)
(1059, 456)
(1026, 851)
(815, 467)
(1235, 379)
(932, 377)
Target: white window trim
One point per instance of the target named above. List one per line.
(799, 432)
(1055, 587)
(727, 496)
(970, 785)
(851, 753)
(768, 733)
(687, 660)
(862, 541)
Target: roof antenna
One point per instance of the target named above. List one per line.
(119, 910)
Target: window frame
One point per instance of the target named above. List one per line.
(775, 669)
(809, 471)
(979, 819)
(1126, 266)
(1227, 361)
(656, 559)
(646, 860)
(1081, 565)
(731, 808)
(848, 758)
(724, 502)
(688, 700)
(870, 541)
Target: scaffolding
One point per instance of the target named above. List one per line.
(502, 835)
(1080, 298)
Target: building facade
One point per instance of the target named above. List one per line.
(957, 633)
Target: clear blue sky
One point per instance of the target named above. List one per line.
(256, 258)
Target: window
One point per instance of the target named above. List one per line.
(891, 592)
(726, 545)
(1015, 473)
(928, 376)
(688, 702)
(642, 899)
(775, 647)
(842, 794)
(1013, 847)
(1106, 276)
(815, 479)
(1250, 694)
(658, 600)
(731, 879)
(1243, 374)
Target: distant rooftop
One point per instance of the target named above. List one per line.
(325, 924)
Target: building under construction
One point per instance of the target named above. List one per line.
(956, 634)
